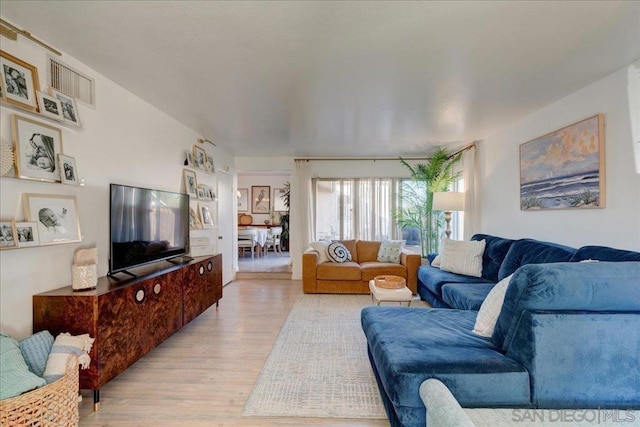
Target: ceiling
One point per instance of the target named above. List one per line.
(342, 78)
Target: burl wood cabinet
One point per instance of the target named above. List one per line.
(130, 317)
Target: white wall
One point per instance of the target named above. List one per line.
(123, 140)
(617, 225)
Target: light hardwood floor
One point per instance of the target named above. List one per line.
(203, 375)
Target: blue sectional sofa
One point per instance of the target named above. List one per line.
(567, 336)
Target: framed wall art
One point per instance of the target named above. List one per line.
(50, 107)
(278, 201)
(37, 146)
(68, 170)
(20, 82)
(209, 166)
(205, 215)
(243, 199)
(190, 183)
(199, 157)
(69, 108)
(194, 217)
(565, 168)
(260, 199)
(56, 216)
(27, 234)
(8, 234)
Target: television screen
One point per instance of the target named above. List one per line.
(146, 226)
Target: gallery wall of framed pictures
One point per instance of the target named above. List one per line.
(202, 191)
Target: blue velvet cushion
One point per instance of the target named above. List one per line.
(603, 253)
(495, 250)
(591, 286)
(433, 278)
(466, 296)
(530, 251)
(410, 345)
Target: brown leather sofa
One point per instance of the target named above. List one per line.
(353, 277)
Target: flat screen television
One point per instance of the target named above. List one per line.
(146, 226)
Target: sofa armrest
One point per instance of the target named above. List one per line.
(412, 262)
(309, 265)
(443, 410)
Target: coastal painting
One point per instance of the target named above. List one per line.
(565, 168)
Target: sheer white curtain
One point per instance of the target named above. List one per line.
(471, 210)
(301, 230)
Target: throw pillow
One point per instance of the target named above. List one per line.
(490, 309)
(15, 377)
(338, 252)
(64, 346)
(436, 262)
(462, 257)
(321, 247)
(35, 350)
(390, 251)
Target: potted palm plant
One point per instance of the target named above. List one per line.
(284, 218)
(435, 175)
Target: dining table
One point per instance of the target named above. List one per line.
(262, 233)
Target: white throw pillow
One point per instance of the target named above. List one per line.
(436, 262)
(490, 309)
(338, 252)
(321, 247)
(462, 257)
(390, 251)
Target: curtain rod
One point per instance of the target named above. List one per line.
(321, 159)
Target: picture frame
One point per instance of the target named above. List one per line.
(204, 192)
(195, 223)
(564, 169)
(278, 201)
(37, 146)
(68, 170)
(200, 193)
(190, 183)
(199, 157)
(243, 199)
(260, 199)
(69, 108)
(8, 234)
(205, 215)
(209, 166)
(20, 82)
(188, 158)
(28, 235)
(56, 217)
(50, 106)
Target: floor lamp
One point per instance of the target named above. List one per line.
(448, 201)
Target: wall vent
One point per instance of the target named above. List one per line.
(71, 82)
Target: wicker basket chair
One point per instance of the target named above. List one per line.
(54, 404)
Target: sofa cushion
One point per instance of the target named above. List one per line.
(589, 286)
(337, 252)
(411, 345)
(530, 251)
(390, 251)
(490, 309)
(465, 296)
(495, 250)
(433, 278)
(603, 253)
(367, 250)
(373, 269)
(462, 257)
(339, 271)
(15, 377)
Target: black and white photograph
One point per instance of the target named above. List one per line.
(20, 82)
(69, 108)
(37, 146)
(8, 235)
(207, 219)
(56, 216)
(27, 234)
(68, 170)
(190, 183)
(199, 157)
(188, 161)
(194, 218)
(209, 166)
(50, 107)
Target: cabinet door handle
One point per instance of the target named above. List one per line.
(157, 288)
(201, 270)
(140, 295)
(209, 266)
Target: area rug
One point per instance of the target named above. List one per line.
(319, 365)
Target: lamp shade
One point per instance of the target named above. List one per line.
(448, 201)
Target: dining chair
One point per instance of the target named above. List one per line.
(273, 241)
(247, 239)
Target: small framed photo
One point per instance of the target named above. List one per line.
(260, 199)
(69, 108)
(20, 82)
(243, 199)
(50, 107)
(190, 182)
(205, 216)
(201, 193)
(68, 169)
(56, 216)
(204, 191)
(209, 166)
(27, 234)
(199, 157)
(37, 147)
(8, 234)
(188, 160)
(194, 217)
